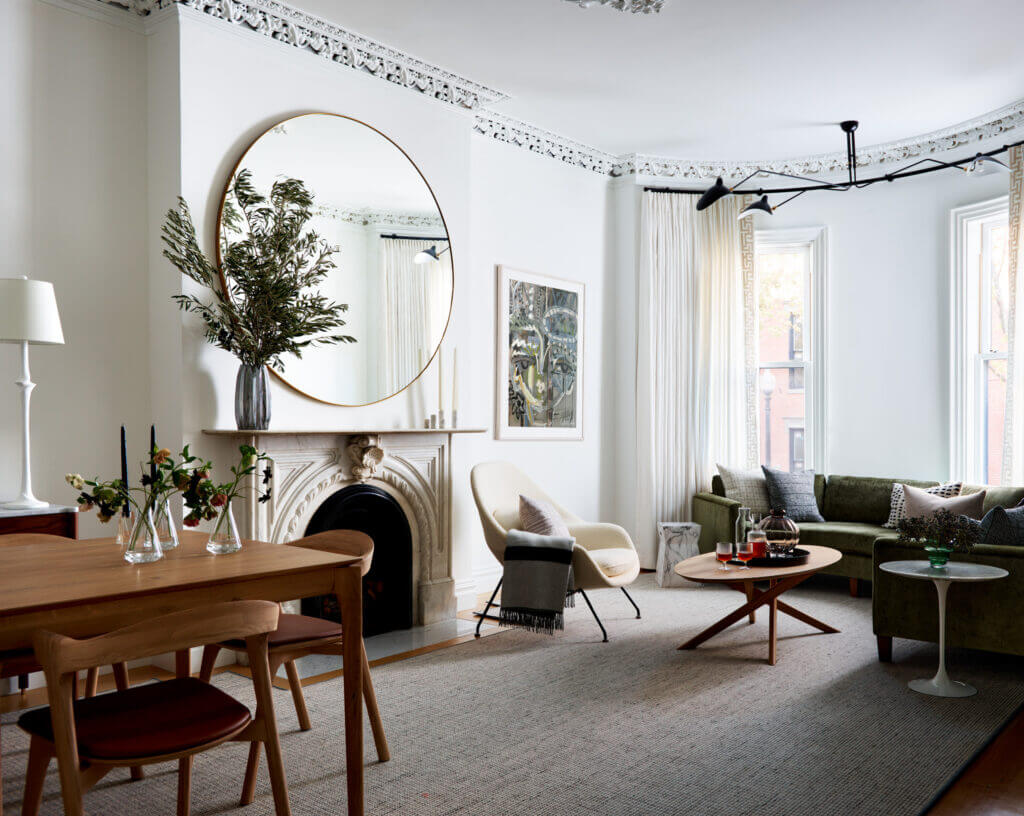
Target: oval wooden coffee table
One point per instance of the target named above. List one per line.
(705, 569)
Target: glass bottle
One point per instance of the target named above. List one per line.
(144, 544)
(742, 524)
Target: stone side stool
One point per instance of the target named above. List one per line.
(677, 541)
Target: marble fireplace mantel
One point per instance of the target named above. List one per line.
(411, 464)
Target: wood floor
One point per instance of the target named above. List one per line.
(993, 785)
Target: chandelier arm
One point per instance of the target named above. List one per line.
(844, 186)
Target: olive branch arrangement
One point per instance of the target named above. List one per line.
(272, 266)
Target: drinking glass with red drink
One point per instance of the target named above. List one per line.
(723, 552)
(744, 552)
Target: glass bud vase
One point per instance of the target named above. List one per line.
(165, 528)
(224, 538)
(125, 524)
(144, 544)
(252, 398)
(938, 554)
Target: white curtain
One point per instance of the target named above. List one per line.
(694, 372)
(1013, 433)
(415, 308)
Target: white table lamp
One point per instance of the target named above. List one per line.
(28, 314)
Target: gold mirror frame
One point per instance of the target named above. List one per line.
(451, 251)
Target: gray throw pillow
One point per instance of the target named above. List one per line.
(922, 504)
(1004, 528)
(541, 518)
(748, 487)
(792, 492)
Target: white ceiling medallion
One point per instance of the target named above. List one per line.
(635, 6)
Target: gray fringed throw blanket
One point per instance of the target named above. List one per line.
(537, 571)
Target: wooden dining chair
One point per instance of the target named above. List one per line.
(156, 722)
(21, 663)
(300, 635)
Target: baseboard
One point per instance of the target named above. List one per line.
(486, 578)
(465, 594)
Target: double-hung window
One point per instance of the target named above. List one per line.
(790, 299)
(980, 301)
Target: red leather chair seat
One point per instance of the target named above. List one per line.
(148, 720)
(296, 629)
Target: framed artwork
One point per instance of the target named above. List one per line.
(540, 357)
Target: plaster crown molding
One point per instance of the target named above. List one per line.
(366, 216)
(537, 140)
(296, 28)
(306, 32)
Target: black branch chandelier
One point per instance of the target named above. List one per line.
(980, 164)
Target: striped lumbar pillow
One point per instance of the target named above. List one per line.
(541, 518)
(898, 507)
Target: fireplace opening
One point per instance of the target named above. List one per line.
(387, 587)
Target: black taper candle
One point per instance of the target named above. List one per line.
(124, 470)
(152, 451)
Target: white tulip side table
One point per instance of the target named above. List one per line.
(955, 571)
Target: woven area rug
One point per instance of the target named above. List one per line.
(520, 724)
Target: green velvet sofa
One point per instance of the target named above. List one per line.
(986, 616)
(855, 509)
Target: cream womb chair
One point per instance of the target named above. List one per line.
(604, 556)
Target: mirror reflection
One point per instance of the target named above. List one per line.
(390, 249)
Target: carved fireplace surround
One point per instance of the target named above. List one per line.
(413, 466)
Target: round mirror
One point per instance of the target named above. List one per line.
(376, 216)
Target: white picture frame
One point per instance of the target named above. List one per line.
(505, 425)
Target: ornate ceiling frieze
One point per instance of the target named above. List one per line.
(307, 32)
(287, 25)
(537, 140)
(365, 216)
(635, 6)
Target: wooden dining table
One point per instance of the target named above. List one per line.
(85, 587)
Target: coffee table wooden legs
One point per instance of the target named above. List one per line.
(756, 598)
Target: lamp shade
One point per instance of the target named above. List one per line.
(426, 255)
(712, 194)
(761, 205)
(28, 312)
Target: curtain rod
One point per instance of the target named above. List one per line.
(842, 186)
(397, 237)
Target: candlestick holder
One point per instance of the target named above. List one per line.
(440, 418)
(433, 420)
(455, 418)
(426, 423)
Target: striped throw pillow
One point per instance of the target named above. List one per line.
(541, 518)
(897, 503)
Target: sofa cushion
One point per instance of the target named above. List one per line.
(898, 508)
(845, 536)
(748, 487)
(794, 493)
(718, 487)
(996, 496)
(1002, 527)
(862, 499)
(614, 560)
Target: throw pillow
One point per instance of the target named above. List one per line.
(896, 509)
(1004, 528)
(792, 492)
(920, 503)
(541, 518)
(748, 487)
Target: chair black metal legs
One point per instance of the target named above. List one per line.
(637, 608)
(604, 632)
(490, 603)
(594, 613)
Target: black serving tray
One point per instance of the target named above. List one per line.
(794, 558)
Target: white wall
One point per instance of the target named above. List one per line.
(888, 319)
(501, 205)
(74, 207)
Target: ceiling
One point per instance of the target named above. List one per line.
(731, 79)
